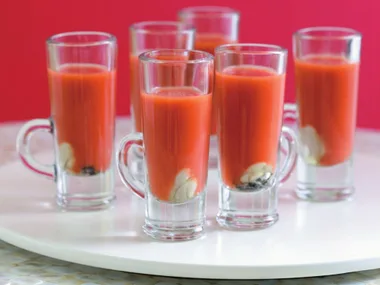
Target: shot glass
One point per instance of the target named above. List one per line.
(327, 77)
(249, 96)
(81, 68)
(145, 36)
(176, 98)
(214, 26)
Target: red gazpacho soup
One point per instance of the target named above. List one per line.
(326, 93)
(168, 74)
(176, 129)
(249, 118)
(208, 43)
(82, 100)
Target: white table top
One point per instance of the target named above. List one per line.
(18, 266)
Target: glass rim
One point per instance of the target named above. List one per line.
(108, 39)
(141, 27)
(146, 56)
(306, 33)
(209, 11)
(270, 49)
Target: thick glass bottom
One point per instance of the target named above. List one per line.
(85, 193)
(247, 210)
(325, 183)
(175, 221)
(323, 194)
(172, 231)
(84, 203)
(245, 221)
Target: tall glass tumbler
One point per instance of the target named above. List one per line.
(176, 98)
(82, 81)
(249, 96)
(145, 36)
(214, 26)
(327, 63)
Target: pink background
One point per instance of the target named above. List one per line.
(25, 25)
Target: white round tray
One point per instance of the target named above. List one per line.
(310, 239)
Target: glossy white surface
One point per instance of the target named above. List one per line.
(309, 240)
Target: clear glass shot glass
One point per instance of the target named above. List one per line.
(145, 36)
(215, 26)
(327, 63)
(249, 96)
(176, 99)
(81, 68)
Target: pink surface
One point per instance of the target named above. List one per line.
(25, 25)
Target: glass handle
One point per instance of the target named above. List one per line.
(289, 136)
(290, 114)
(290, 111)
(23, 146)
(124, 161)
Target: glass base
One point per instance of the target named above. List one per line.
(324, 183)
(233, 221)
(324, 194)
(247, 210)
(182, 233)
(175, 221)
(85, 193)
(82, 203)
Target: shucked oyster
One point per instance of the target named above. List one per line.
(256, 176)
(184, 187)
(67, 161)
(66, 157)
(312, 147)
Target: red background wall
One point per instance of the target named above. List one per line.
(25, 25)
